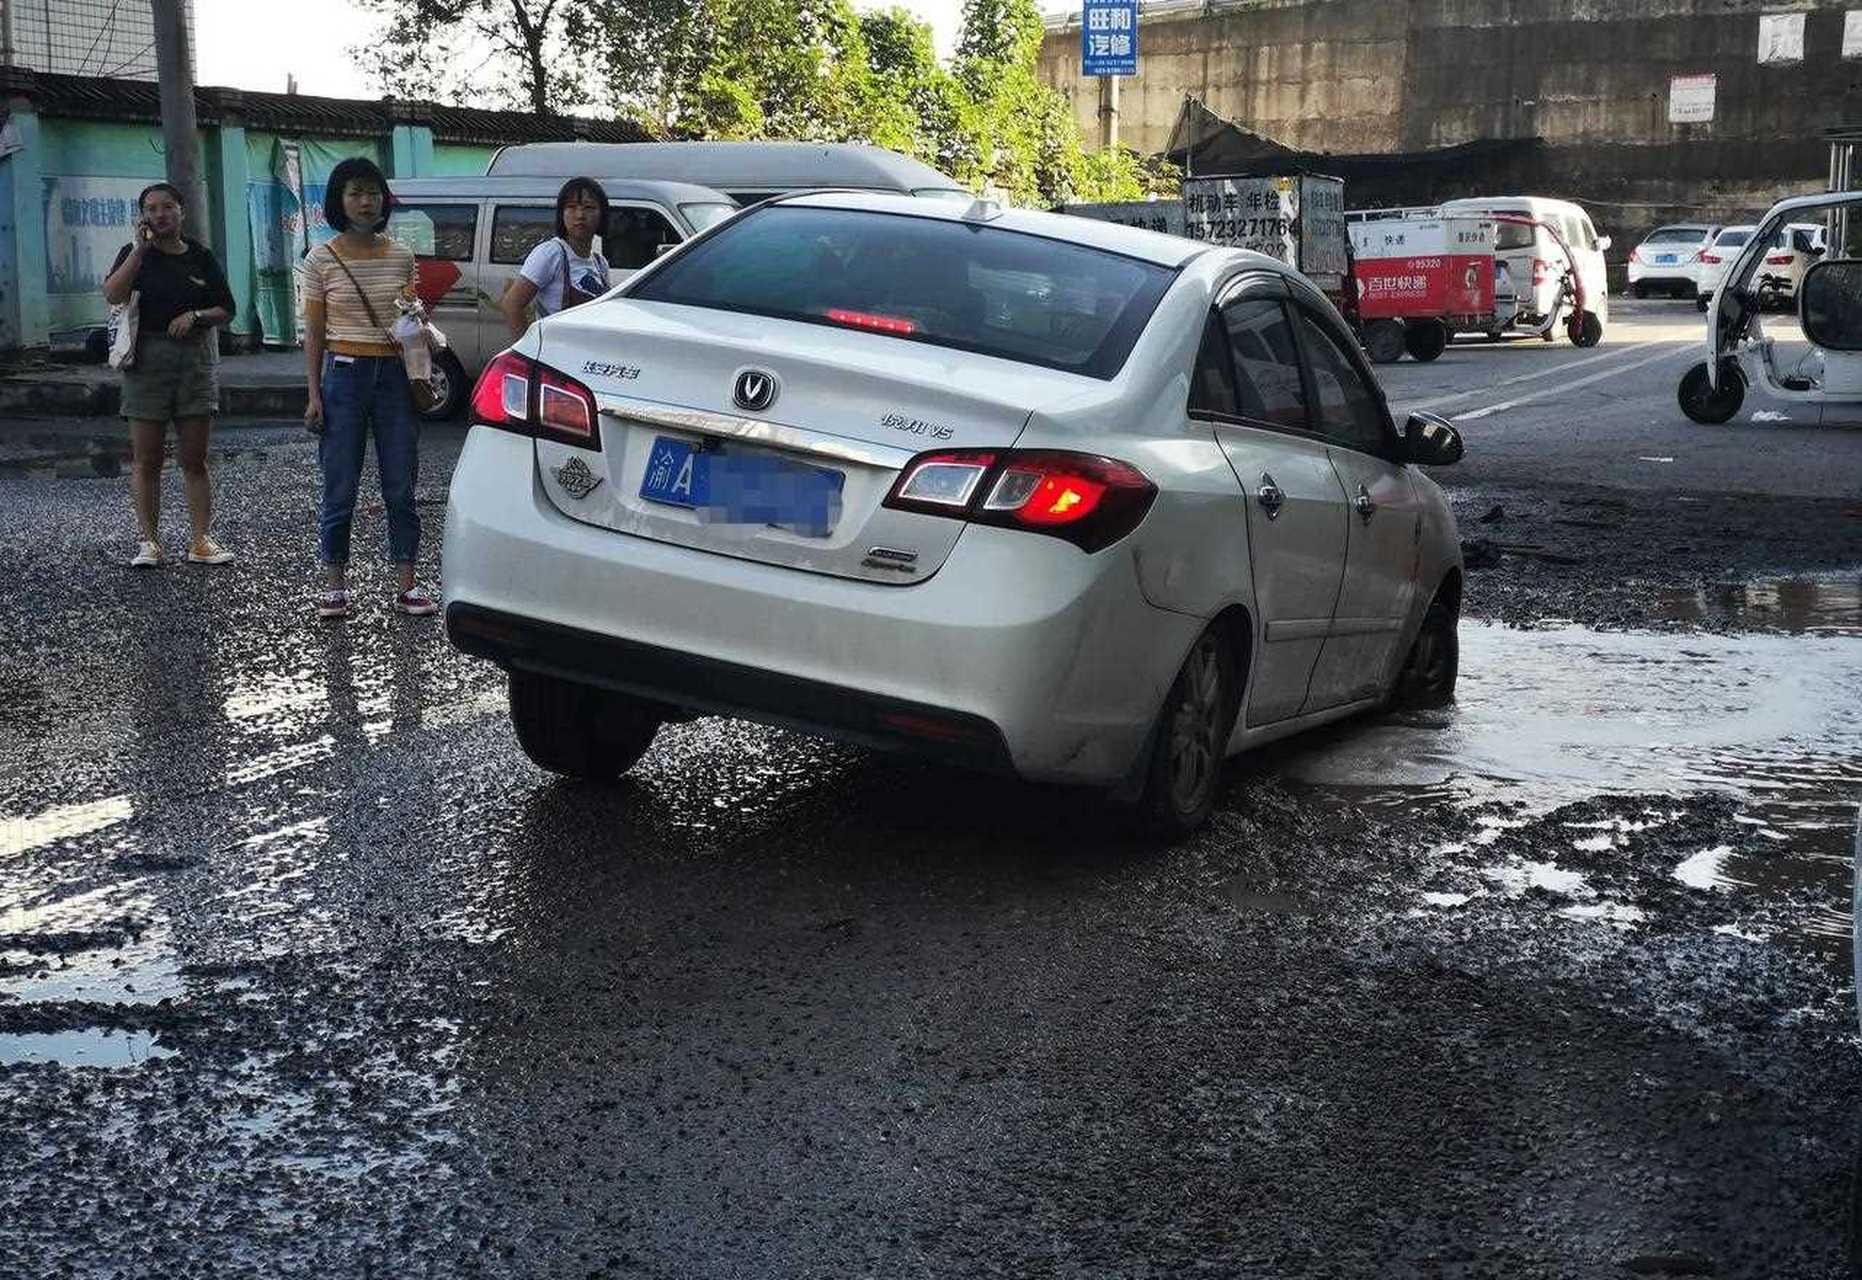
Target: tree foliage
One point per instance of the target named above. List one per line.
(811, 70)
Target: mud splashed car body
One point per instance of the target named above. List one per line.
(1008, 489)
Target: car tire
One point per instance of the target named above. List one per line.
(580, 731)
(1190, 741)
(1640, 290)
(1434, 662)
(1383, 341)
(1426, 341)
(1588, 331)
(1709, 405)
(450, 387)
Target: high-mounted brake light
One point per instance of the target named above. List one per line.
(870, 320)
(516, 393)
(1090, 501)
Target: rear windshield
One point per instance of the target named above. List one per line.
(953, 284)
(1513, 235)
(1731, 239)
(1676, 235)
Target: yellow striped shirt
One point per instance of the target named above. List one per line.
(387, 274)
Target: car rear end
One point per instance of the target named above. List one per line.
(1669, 259)
(1716, 258)
(778, 479)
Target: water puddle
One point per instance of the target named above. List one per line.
(89, 1048)
(1555, 715)
(1828, 605)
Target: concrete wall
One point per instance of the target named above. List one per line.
(1589, 76)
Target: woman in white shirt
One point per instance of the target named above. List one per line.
(564, 271)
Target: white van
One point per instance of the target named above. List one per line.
(1532, 258)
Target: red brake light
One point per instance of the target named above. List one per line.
(1711, 259)
(870, 320)
(1086, 499)
(1541, 271)
(519, 394)
(1778, 259)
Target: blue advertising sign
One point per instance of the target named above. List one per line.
(1109, 38)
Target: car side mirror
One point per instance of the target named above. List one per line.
(1431, 440)
(660, 251)
(1603, 244)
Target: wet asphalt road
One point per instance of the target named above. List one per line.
(304, 968)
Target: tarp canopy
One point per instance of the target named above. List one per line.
(1206, 144)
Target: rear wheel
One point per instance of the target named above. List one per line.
(1383, 341)
(1640, 289)
(579, 731)
(1708, 404)
(1428, 678)
(1191, 739)
(1427, 340)
(1586, 330)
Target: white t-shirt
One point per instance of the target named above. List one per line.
(543, 268)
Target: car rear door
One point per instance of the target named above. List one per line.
(517, 227)
(1358, 660)
(444, 237)
(1250, 389)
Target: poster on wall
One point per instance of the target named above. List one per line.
(1690, 99)
(284, 205)
(87, 221)
(1781, 37)
(1852, 34)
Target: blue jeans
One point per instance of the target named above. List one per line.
(360, 392)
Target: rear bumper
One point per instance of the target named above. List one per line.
(711, 687)
(1019, 649)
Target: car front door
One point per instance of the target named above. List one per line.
(1250, 389)
(1383, 556)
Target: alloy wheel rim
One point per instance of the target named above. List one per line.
(1193, 730)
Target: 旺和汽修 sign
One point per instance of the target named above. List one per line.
(1109, 38)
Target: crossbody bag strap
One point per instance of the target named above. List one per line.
(373, 319)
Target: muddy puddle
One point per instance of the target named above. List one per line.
(1825, 605)
(1560, 714)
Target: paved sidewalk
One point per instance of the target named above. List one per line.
(268, 383)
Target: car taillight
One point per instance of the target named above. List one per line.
(1541, 271)
(1711, 259)
(1090, 501)
(1778, 259)
(516, 393)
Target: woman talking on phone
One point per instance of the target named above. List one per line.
(174, 376)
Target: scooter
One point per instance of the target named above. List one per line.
(1581, 324)
(1739, 355)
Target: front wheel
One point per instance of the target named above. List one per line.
(1586, 329)
(580, 731)
(1191, 740)
(1426, 340)
(1428, 678)
(1707, 404)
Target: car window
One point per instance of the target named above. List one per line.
(1731, 239)
(1346, 407)
(1676, 235)
(967, 285)
(1212, 384)
(706, 213)
(631, 236)
(1513, 235)
(516, 229)
(1803, 240)
(436, 230)
(1267, 366)
(1587, 233)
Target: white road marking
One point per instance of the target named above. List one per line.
(1670, 351)
(1524, 377)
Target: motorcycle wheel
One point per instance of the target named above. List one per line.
(1709, 405)
(1586, 330)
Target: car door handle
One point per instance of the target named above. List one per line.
(1269, 495)
(1366, 507)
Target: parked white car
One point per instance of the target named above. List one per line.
(1668, 260)
(1792, 252)
(1010, 489)
(1715, 259)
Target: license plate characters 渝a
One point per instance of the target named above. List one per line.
(746, 487)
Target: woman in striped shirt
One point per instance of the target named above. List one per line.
(353, 286)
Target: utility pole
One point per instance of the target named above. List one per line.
(1108, 112)
(174, 67)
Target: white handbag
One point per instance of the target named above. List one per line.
(123, 324)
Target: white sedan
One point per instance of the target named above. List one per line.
(1008, 489)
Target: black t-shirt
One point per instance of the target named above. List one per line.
(173, 283)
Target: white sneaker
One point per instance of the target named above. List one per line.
(148, 555)
(207, 551)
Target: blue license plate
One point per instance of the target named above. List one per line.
(1665, 257)
(743, 487)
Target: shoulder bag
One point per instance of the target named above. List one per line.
(124, 325)
(420, 387)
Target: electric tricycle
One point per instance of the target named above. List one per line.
(1829, 308)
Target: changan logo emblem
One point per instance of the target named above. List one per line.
(755, 390)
